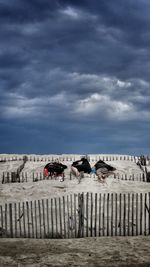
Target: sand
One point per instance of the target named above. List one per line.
(116, 251)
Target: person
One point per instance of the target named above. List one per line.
(80, 166)
(103, 170)
(55, 169)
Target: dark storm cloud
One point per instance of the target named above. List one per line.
(26, 10)
(75, 67)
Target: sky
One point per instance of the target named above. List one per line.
(74, 76)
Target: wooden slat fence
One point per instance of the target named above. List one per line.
(68, 157)
(8, 177)
(78, 215)
(77, 157)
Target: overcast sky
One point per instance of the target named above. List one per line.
(74, 76)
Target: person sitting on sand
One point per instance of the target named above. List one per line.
(55, 168)
(79, 166)
(103, 170)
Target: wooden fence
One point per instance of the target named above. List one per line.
(68, 157)
(8, 177)
(78, 215)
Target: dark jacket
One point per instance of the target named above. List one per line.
(55, 167)
(82, 165)
(102, 164)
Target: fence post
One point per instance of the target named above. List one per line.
(149, 214)
(99, 215)
(68, 216)
(64, 217)
(71, 217)
(112, 200)
(145, 217)
(36, 230)
(132, 214)
(141, 212)
(31, 206)
(137, 213)
(120, 215)
(24, 221)
(81, 215)
(104, 214)
(124, 215)
(15, 217)
(87, 217)
(11, 221)
(60, 217)
(3, 178)
(6, 226)
(95, 227)
(91, 219)
(43, 210)
(47, 216)
(116, 215)
(40, 221)
(1, 214)
(128, 214)
(75, 222)
(108, 214)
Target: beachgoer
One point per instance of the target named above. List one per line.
(55, 169)
(103, 170)
(80, 166)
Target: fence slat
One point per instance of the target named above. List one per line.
(28, 222)
(43, 211)
(91, 219)
(95, 226)
(100, 215)
(60, 217)
(52, 220)
(20, 220)
(116, 216)
(104, 214)
(11, 219)
(32, 222)
(124, 215)
(87, 214)
(64, 217)
(120, 215)
(137, 214)
(82, 210)
(24, 220)
(36, 224)
(132, 214)
(15, 217)
(112, 211)
(56, 218)
(108, 214)
(145, 217)
(149, 215)
(47, 217)
(75, 217)
(71, 217)
(141, 213)
(68, 216)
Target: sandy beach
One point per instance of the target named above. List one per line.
(110, 251)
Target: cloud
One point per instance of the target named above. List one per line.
(76, 95)
(76, 67)
(98, 104)
(19, 106)
(70, 12)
